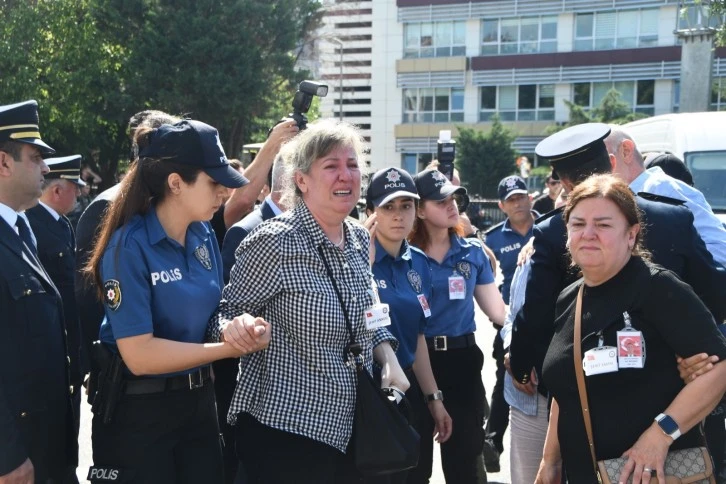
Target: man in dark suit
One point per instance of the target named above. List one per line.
(57, 253)
(576, 153)
(36, 437)
(225, 371)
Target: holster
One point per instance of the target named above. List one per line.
(105, 385)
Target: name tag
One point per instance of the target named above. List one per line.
(600, 360)
(424, 305)
(457, 287)
(631, 349)
(377, 316)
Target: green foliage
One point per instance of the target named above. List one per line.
(611, 109)
(483, 159)
(91, 64)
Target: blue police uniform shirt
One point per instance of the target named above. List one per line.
(153, 284)
(455, 317)
(506, 244)
(400, 281)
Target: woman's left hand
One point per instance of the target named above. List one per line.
(393, 376)
(647, 456)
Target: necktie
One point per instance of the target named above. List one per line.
(25, 236)
(66, 230)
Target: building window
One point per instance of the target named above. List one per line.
(416, 162)
(638, 95)
(527, 102)
(525, 35)
(433, 105)
(624, 29)
(434, 39)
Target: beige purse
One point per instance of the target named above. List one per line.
(691, 465)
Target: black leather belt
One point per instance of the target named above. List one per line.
(191, 381)
(445, 343)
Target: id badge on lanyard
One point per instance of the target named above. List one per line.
(602, 359)
(457, 286)
(377, 315)
(631, 346)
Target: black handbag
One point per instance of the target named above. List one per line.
(383, 442)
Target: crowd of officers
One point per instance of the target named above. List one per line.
(150, 258)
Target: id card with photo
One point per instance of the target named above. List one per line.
(457, 287)
(631, 349)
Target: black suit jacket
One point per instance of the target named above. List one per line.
(58, 255)
(670, 237)
(35, 418)
(90, 309)
(239, 231)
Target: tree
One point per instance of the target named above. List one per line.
(91, 64)
(611, 109)
(483, 159)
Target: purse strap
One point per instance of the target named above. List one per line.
(353, 346)
(580, 375)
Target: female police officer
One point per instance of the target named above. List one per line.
(403, 279)
(159, 269)
(460, 273)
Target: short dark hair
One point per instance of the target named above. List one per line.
(13, 148)
(600, 165)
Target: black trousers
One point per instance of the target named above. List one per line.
(225, 382)
(272, 456)
(458, 375)
(499, 415)
(168, 437)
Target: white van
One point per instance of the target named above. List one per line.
(699, 139)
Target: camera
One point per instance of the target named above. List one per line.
(302, 100)
(446, 152)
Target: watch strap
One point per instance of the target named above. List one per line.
(437, 395)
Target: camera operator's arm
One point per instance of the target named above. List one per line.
(243, 199)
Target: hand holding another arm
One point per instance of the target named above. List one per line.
(247, 334)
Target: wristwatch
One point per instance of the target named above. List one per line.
(668, 426)
(438, 395)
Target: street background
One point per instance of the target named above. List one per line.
(484, 335)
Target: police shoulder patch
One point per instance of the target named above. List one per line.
(112, 294)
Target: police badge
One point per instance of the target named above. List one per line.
(202, 255)
(464, 268)
(415, 280)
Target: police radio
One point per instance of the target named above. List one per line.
(446, 152)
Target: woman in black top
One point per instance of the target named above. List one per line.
(619, 285)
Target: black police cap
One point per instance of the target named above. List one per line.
(19, 122)
(431, 184)
(65, 168)
(390, 183)
(574, 146)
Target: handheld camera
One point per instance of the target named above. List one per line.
(302, 100)
(446, 152)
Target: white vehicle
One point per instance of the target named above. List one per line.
(699, 139)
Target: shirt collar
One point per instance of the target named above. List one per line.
(8, 214)
(404, 254)
(302, 212)
(507, 227)
(50, 210)
(275, 209)
(156, 233)
(638, 184)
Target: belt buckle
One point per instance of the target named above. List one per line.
(196, 380)
(444, 343)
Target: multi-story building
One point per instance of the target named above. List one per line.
(440, 64)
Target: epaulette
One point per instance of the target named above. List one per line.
(549, 214)
(660, 198)
(495, 227)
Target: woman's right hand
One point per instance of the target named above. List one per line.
(549, 472)
(247, 334)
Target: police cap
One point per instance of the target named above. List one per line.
(19, 122)
(511, 185)
(433, 185)
(65, 168)
(577, 145)
(390, 183)
(193, 143)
